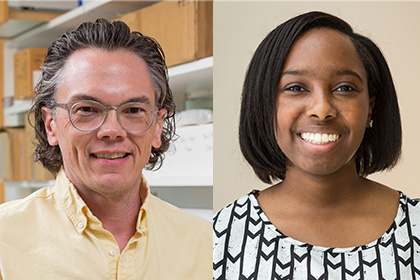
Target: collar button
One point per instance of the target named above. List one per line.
(112, 252)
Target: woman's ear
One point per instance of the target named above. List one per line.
(371, 105)
(50, 126)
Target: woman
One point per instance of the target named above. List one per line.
(319, 113)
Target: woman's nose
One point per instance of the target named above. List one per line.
(321, 105)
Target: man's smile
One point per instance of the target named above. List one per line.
(111, 156)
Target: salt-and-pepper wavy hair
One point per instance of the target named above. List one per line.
(109, 36)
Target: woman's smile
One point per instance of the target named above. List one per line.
(319, 138)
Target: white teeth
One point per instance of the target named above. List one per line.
(318, 138)
(110, 156)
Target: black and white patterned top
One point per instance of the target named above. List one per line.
(246, 245)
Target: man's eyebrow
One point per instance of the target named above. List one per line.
(78, 97)
(141, 99)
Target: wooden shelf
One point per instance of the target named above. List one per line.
(17, 17)
(42, 35)
(189, 77)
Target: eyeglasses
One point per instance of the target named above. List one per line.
(87, 116)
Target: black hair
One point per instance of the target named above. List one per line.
(381, 145)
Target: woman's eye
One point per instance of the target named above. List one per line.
(295, 88)
(345, 88)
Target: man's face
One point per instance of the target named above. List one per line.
(107, 161)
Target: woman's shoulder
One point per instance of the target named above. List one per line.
(410, 204)
(230, 230)
(237, 208)
(409, 199)
(233, 223)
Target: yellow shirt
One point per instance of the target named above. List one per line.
(52, 234)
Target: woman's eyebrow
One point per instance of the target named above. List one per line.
(294, 73)
(344, 72)
(349, 73)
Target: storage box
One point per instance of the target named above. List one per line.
(27, 64)
(6, 162)
(4, 11)
(184, 29)
(21, 163)
(2, 192)
(16, 163)
(37, 172)
(1, 84)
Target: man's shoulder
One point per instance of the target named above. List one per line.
(176, 215)
(27, 204)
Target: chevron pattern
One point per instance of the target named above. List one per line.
(247, 246)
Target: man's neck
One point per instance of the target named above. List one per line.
(118, 215)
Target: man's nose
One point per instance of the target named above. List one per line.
(111, 128)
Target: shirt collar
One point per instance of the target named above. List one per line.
(142, 223)
(80, 215)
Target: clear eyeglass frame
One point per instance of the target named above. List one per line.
(153, 110)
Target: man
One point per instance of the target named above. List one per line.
(103, 111)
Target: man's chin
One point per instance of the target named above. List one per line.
(116, 181)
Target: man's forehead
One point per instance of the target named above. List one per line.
(115, 77)
(86, 56)
(95, 61)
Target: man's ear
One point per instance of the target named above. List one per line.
(50, 126)
(156, 142)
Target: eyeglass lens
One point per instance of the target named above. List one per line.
(133, 117)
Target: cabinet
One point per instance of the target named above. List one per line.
(182, 78)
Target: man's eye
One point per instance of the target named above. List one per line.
(134, 111)
(86, 110)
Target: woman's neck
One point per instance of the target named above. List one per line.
(334, 210)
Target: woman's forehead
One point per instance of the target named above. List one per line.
(324, 50)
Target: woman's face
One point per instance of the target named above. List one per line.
(323, 106)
